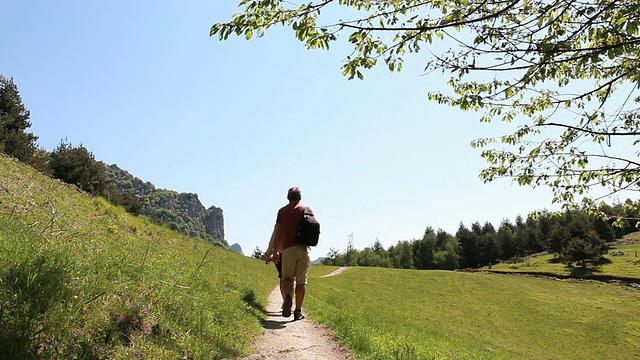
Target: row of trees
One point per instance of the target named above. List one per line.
(72, 164)
(575, 236)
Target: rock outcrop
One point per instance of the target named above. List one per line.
(237, 248)
(182, 212)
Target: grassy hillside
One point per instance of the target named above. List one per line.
(409, 314)
(80, 278)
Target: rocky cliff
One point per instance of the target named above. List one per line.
(182, 212)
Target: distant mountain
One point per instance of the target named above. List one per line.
(182, 212)
(237, 248)
(318, 261)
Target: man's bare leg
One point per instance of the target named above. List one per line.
(287, 288)
(300, 291)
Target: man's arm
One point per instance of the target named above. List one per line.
(269, 253)
(277, 243)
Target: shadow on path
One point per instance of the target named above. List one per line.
(274, 324)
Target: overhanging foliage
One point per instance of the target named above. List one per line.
(566, 71)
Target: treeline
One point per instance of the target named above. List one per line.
(574, 236)
(74, 165)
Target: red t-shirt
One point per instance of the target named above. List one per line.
(287, 221)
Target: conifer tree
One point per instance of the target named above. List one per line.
(78, 166)
(14, 120)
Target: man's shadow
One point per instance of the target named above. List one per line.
(275, 324)
(251, 300)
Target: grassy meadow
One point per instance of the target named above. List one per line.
(621, 261)
(82, 279)
(410, 314)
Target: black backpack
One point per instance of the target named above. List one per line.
(308, 229)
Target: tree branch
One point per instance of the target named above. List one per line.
(434, 27)
(594, 132)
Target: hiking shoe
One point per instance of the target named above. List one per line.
(286, 307)
(297, 315)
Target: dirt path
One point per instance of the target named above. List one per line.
(335, 272)
(285, 339)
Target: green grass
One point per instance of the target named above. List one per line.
(80, 278)
(627, 265)
(406, 314)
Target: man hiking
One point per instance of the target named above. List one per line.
(295, 257)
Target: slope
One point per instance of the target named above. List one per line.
(80, 278)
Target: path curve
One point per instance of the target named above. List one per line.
(285, 339)
(335, 272)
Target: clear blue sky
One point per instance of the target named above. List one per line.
(142, 85)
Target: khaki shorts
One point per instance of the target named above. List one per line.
(295, 264)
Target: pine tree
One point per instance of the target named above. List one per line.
(78, 166)
(14, 120)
